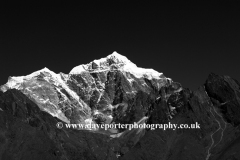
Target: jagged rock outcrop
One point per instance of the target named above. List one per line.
(114, 90)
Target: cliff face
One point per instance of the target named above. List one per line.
(110, 91)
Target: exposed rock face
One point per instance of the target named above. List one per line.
(114, 90)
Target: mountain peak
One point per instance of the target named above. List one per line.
(118, 58)
(116, 61)
(112, 61)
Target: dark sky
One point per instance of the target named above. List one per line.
(184, 41)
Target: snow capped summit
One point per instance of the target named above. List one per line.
(15, 82)
(118, 58)
(48, 89)
(102, 64)
(116, 61)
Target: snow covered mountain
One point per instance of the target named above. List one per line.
(91, 93)
(114, 90)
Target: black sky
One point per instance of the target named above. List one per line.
(184, 41)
